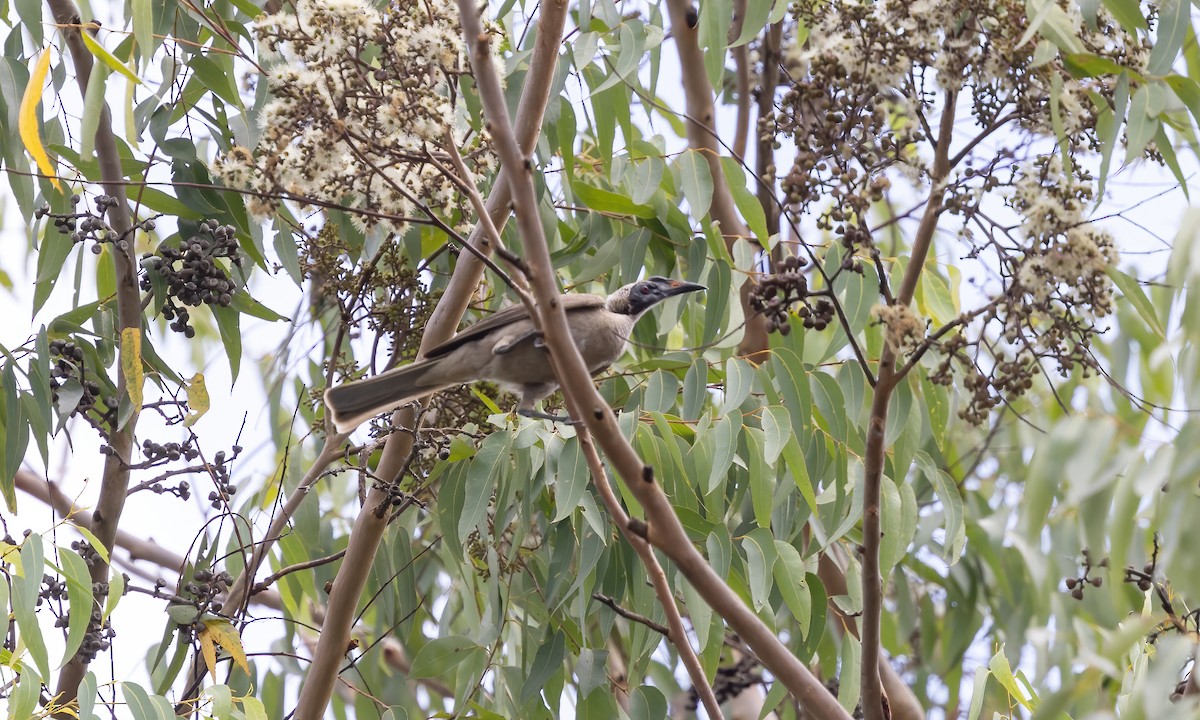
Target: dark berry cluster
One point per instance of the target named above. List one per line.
(90, 225)
(220, 473)
(51, 589)
(1144, 579)
(206, 585)
(158, 453)
(193, 273)
(776, 294)
(68, 365)
(86, 552)
(100, 631)
(1075, 585)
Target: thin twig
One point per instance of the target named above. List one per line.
(631, 615)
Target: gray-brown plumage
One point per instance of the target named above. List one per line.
(506, 349)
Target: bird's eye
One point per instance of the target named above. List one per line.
(645, 290)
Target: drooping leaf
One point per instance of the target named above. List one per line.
(28, 122)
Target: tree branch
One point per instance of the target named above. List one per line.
(873, 582)
(368, 528)
(662, 527)
(675, 631)
(115, 480)
(701, 124)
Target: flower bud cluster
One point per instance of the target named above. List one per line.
(363, 103)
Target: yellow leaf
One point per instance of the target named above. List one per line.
(197, 398)
(227, 637)
(27, 119)
(208, 649)
(131, 365)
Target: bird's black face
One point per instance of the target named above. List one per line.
(648, 293)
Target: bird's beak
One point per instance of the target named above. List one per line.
(679, 287)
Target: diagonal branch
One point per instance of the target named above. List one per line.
(369, 526)
(675, 631)
(661, 528)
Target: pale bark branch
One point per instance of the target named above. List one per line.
(702, 136)
(663, 528)
(114, 482)
(675, 630)
(369, 526)
(873, 582)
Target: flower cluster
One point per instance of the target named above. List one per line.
(363, 104)
(902, 328)
(862, 101)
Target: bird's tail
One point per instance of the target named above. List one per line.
(352, 403)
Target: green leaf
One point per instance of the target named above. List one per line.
(792, 580)
(755, 19)
(86, 695)
(80, 600)
(1002, 671)
(694, 175)
(217, 78)
(1090, 65)
(571, 480)
(142, 17)
(229, 322)
(850, 687)
(1173, 23)
(1132, 291)
(747, 202)
(108, 58)
(442, 655)
(739, 378)
(762, 478)
(144, 706)
(759, 545)
(608, 201)
(712, 34)
(1047, 18)
(1128, 13)
(695, 389)
(1142, 124)
(16, 434)
(93, 103)
(243, 303)
(116, 589)
(549, 660)
(777, 426)
(725, 435)
(24, 698)
(94, 542)
(647, 703)
(52, 255)
(485, 470)
(952, 506)
(25, 595)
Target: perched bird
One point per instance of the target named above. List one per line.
(506, 349)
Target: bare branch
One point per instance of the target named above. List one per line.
(368, 528)
(662, 527)
(872, 692)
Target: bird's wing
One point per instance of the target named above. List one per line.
(507, 316)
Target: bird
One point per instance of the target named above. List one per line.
(506, 348)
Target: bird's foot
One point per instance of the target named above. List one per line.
(523, 412)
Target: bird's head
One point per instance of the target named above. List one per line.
(635, 298)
